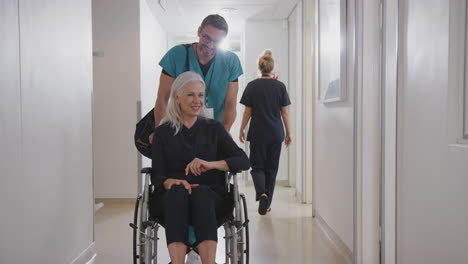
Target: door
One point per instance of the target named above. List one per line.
(432, 159)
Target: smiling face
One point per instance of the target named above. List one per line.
(192, 99)
(209, 40)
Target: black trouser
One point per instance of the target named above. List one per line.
(176, 210)
(264, 159)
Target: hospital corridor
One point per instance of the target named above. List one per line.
(287, 235)
(233, 131)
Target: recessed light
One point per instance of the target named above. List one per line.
(228, 10)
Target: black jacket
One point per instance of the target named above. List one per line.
(207, 139)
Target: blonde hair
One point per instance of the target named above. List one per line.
(173, 114)
(266, 62)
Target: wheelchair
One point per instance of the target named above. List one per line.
(235, 223)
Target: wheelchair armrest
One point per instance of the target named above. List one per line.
(146, 170)
(228, 176)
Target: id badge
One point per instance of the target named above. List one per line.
(209, 112)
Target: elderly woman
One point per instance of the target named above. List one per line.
(190, 155)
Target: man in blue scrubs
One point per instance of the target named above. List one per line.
(220, 70)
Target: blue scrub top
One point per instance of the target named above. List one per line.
(225, 68)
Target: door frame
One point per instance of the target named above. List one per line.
(374, 128)
(391, 27)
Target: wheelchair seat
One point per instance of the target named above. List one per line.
(227, 216)
(228, 208)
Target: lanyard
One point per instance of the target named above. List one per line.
(208, 87)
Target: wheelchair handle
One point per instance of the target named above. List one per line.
(146, 170)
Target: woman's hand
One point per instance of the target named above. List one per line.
(287, 140)
(242, 136)
(197, 166)
(169, 182)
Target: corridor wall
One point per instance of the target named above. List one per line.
(153, 46)
(46, 195)
(333, 148)
(116, 46)
(126, 79)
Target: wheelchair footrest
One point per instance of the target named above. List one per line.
(145, 224)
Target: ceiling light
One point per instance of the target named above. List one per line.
(228, 10)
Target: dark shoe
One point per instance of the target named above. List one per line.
(262, 205)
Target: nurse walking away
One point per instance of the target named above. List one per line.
(266, 101)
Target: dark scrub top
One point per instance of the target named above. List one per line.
(265, 97)
(207, 140)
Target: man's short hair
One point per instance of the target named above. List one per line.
(216, 21)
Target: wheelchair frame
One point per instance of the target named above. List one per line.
(145, 230)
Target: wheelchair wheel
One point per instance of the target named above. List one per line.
(243, 242)
(147, 229)
(242, 234)
(237, 236)
(146, 236)
(134, 226)
(227, 235)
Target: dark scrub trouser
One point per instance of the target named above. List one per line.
(177, 210)
(264, 160)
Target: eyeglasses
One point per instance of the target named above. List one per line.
(208, 39)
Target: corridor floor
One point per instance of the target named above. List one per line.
(288, 234)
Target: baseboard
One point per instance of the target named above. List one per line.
(299, 196)
(99, 196)
(88, 256)
(335, 239)
(284, 183)
(115, 200)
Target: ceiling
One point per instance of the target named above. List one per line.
(181, 18)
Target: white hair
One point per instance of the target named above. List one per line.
(173, 114)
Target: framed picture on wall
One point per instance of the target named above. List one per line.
(458, 72)
(332, 50)
(464, 92)
(465, 114)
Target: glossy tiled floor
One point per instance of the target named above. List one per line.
(288, 234)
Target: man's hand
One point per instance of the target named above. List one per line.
(169, 182)
(151, 138)
(197, 166)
